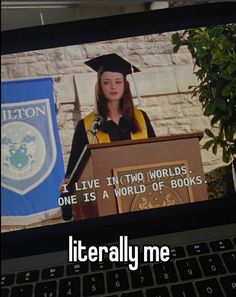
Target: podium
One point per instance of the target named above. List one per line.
(126, 176)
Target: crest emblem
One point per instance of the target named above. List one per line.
(27, 145)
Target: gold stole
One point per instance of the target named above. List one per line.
(102, 137)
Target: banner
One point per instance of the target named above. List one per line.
(31, 158)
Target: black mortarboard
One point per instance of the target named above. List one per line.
(111, 62)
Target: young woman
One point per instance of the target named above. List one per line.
(115, 117)
(118, 119)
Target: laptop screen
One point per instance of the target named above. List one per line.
(83, 137)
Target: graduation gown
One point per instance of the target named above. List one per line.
(116, 132)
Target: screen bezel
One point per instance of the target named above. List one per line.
(158, 221)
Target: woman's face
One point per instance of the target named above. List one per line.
(112, 85)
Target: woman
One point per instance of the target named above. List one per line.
(115, 117)
(118, 119)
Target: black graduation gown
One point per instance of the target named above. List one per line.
(116, 132)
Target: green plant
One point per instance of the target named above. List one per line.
(213, 50)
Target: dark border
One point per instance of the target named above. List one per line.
(108, 229)
(126, 25)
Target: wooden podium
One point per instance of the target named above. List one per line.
(126, 176)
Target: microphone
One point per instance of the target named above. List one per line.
(95, 126)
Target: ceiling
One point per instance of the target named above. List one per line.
(20, 14)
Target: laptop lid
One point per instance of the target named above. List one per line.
(139, 36)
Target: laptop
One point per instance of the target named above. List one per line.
(183, 249)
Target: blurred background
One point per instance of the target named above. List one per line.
(21, 14)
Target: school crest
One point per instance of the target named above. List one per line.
(28, 151)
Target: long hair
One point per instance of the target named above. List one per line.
(126, 105)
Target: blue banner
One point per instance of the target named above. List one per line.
(31, 160)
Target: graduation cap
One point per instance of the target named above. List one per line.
(114, 63)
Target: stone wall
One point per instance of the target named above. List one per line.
(163, 83)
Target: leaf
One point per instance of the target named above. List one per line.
(208, 144)
(221, 104)
(176, 48)
(209, 133)
(210, 108)
(213, 91)
(217, 58)
(175, 38)
(214, 149)
(233, 128)
(231, 68)
(225, 74)
(229, 132)
(214, 120)
(226, 156)
(222, 143)
(227, 90)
